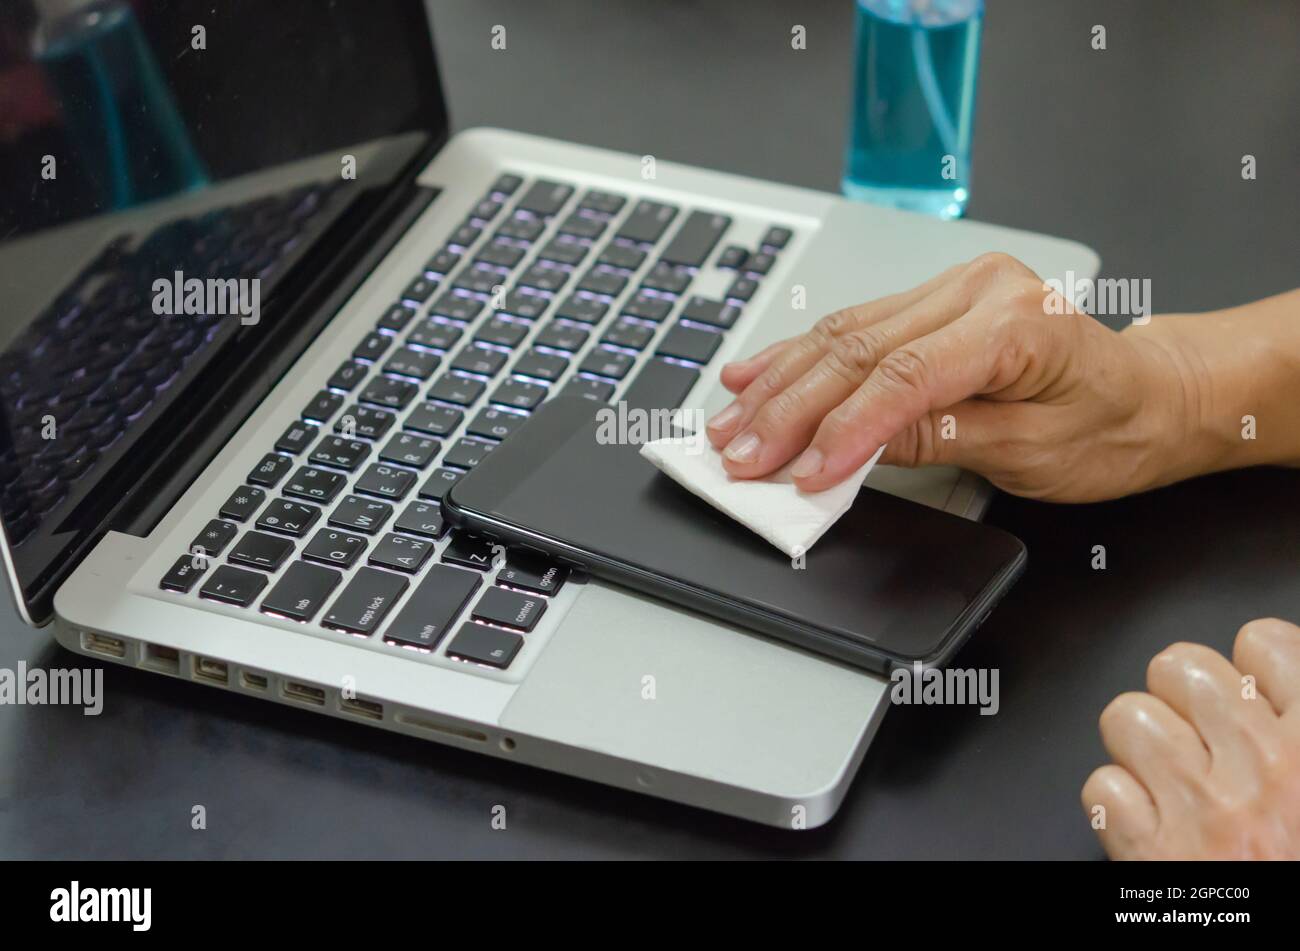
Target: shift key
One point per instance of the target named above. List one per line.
(365, 601)
(433, 607)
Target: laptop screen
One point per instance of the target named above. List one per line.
(175, 179)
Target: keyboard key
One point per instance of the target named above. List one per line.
(420, 289)
(742, 289)
(433, 607)
(480, 279)
(607, 203)
(470, 551)
(509, 609)
(628, 333)
(713, 312)
(647, 222)
(396, 318)
(732, 258)
(231, 585)
(564, 251)
(544, 198)
(288, 518)
(365, 422)
(323, 406)
(500, 254)
(386, 391)
(660, 385)
(495, 424)
(543, 366)
(607, 363)
(436, 333)
(505, 333)
(647, 307)
(695, 239)
(506, 184)
(373, 347)
(760, 264)
(581, 226)
(599, 390)
(401, 553)
(520, 394)
(348, 376)
(622, 256)
(776, 237)
(361, 514)
(422, 518)
(521, 229)
(316, 485)
(460, 390)
(301, 592)
(340, 453)
(548, 279)
(466, 454)
(562, 337)
(334, 548)
(259, 550)
(528, 306)
(667, 278)
(216, 535)
(584, 310)
(436, 486)
(605, 283)
(369, 596)
(690, 343)
(443, 263)
(464, 236)
(434, 420)
(412, 362)
(485, 645)
(270, 470)
(458, 307)
(479, 360)
(385, 482)
(532, 574)
(297, 437)
(183, 574)
(407, 449)
(242, 503)
(485, 210)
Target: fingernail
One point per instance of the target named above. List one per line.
(809, 464)
(743, 448)
(727, 418)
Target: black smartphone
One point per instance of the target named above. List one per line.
(891, 584)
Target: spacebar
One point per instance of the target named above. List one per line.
(660, 385)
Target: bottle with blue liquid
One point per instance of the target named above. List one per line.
(914, 104)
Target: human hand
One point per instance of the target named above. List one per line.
(975, 368)
(1207, 763)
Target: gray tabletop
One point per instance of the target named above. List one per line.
(1135, 150)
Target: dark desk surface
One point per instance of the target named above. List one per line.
(1135, 150)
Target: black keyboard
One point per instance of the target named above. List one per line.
(541, 289)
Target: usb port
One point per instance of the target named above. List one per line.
(103, 644)
(362, 708)
(213, 671)
(304, 693)
(252, 681)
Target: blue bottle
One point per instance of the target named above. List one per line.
(914, 104)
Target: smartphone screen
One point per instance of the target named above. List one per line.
(891, 583)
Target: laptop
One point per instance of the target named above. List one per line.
(262, 309)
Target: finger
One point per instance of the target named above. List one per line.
(803, 352)
(1268, 649)
(968, 435)
(1160, 748)
(781, 424)
(1205, 690)
(739, 374)
(1120, 810)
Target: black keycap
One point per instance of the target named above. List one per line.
(733, 257)
(776, 237)
(628, 333)
(243, 502)
(562, 337)
(499, 330)
(259, 550)
(543, 366)
(495, 424)
(385, 482)
(760, 264)
(443, 262)
(386, 391)
(316, 485)
(585, 310)
(420, 289)
(231, 585)
(485, 210)
(340, 453)
(607, 363)
(622, 256)
(395, 318)
(607, 203)
(299, 594)
(521, 228)
(288, 518)
(647, 222)
(520, 394)
(479, 360)
(401, 553)
(470, 551)
(690, 343)
(549, 279)
(270, 470)
(506, 184)
(433, 607)
(436, 486)
(330, 547)
(412, 362)
(297, 437)
(465, 235)
(584, 386)
(485, 645)
(582, 226)
(323, 407)
(509, 609)
(434, 420)
(408, 449)
(467, 453)
(365, 422)
(362, 514)
(544, 198)
(603, 282)
(660, 385)
(696, 239)
(436, 333)
(667, 278)
(480, 279)
(216, 535)
(348, 375)
(742, 289)
(457, 307)
(182, 575)
(532, 574)
(648, 308)
(528, 306)
(713, 312)
(500, 254)
(460, 390)
(369, 596)
(564, 251)
(422, 518)
(373, 347)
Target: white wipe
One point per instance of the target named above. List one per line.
(773, 506)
